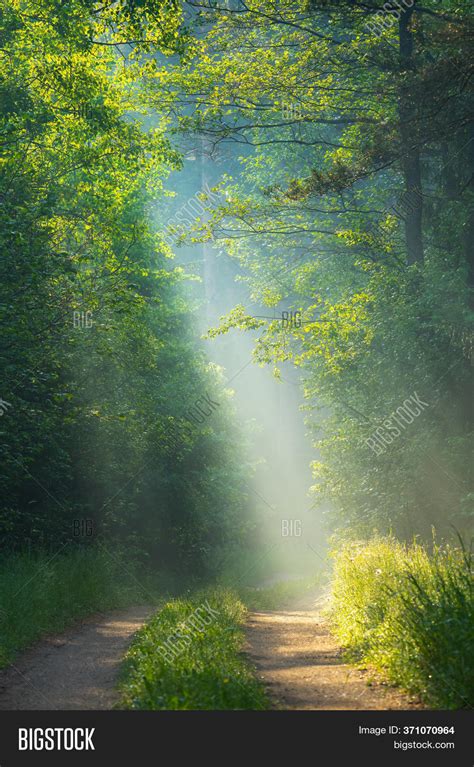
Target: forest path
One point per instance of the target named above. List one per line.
(74, 670)
(300, 664)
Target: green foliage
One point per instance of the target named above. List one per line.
(42, 594)
(335, 122)
(210, 672)
(409, 613)
(320, 207)
(100, 362)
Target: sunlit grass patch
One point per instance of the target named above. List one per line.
(188, 656)
(281, 595)
(409, 613)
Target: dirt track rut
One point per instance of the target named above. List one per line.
(75, 670)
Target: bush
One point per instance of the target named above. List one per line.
(410, 613)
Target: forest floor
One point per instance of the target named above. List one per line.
(75, 670)
(301, 665)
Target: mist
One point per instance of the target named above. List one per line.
(290, 541)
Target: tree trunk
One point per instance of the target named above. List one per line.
(410, 154)
(469, 225)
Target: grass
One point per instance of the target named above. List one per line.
(409, 612)
(42, 593)
(188, 656)
(281, 595)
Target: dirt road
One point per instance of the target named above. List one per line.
(298, 659)
(76, 670)
(301, 666)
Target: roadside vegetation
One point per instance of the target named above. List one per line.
(409, 612)
(42, 593)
